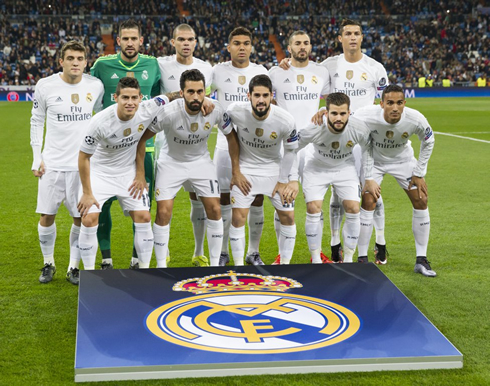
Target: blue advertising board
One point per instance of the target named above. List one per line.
(219, 321)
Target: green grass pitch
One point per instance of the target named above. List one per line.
(38, 322)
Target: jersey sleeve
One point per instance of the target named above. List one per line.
(381, 78)
(155, 89)
(92, 137)
(99, 103)
(427, 140)
(307, 135)
(158, 107)
(326, 83)
(290, 142)
(38, 116)
(223, 120)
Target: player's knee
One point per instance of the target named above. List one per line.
(368, 202)
(47, 220)
(214, 212)
(420, 203)
(90, 220)
(351, 207)
(312, 207)
(287, 218)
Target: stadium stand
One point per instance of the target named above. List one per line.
(413, 39)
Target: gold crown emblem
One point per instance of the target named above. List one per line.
(232, 281)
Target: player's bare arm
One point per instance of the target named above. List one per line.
(285, 64)
(281, 188)
(317, 119)
(237, 178)
(291, 191)
(371, 187)
(421, 185)
(87, 199)
(39, 172)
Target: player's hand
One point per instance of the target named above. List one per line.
(86, 202)
(280, 188)
(419, 182)
(241, 182)
(207, 107)
(291, 191)
(285, 64)
(372, 187)
(39, 172)
(317, 119)
(137, 187)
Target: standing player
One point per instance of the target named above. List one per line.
(187, 160)
(360, 77)
(108, 168)
(391, 127)
(262, 130)
(171, 68)
(298, 90)
(332, 163)
(230, 80)
(110, 69)
(66, 102)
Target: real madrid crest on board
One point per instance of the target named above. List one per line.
(247, 313)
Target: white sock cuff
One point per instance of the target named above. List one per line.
(225, 207)
(420, 212)
(237, 232)
(75, 229)
(288, 230)
(197, 204)
(256, 210)
(142, 226)
(313, 217)
(215, 224)
(46, 230)
(369, 214)
(352, 216)
(161, 229)
(89, 230)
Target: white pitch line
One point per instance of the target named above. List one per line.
(473, 132)
(460, 136)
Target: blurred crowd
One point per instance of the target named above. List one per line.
(413, 39)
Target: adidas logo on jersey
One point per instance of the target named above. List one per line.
(59, 99)
(287, 81)
(375, 132)
(323, 144)
(114, 76)
(228, 80)
(180, 128)
(113, 136)
(336, 75)
(245, 130)
(171, 77)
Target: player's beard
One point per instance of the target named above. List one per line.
(131, 55)
(261, 114)
(194, 105)
(331, 125)
(299, 58)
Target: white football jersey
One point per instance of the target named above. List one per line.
(113, 142)
(391, 142)
(187, 135)
(231, 85)
(360, 80)
(260, 141)
(298, 90)
(67, 109)
(171, 70)
(335, 150)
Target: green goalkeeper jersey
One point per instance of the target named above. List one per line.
(111, 68)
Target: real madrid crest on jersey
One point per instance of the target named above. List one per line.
(259, 132)
(247, 313)
(335, 145)
(194, 127)
(389, 134)
(405, 135)
(75, 98)
(364, 76)
(242, 79)
(349, 74)
(144, 75)
(300, 79)
(141, 127)
(273, 135)
(127, 131)
(89, 97)
(207, 126)
(349, 144)
(314, 79)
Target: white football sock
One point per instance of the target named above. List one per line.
(74, 250)
(313, 230)
(237, 242)
(277, 226)
(350, 233)
(226, 217)
(287, 240)
(336, 214)
(379, 221)
(214, 230)
(161, 235)
(255, 226)
(366, 231)
(198, 219)
(143, 242)
(87, 243)
(47, 239)
(421, 230)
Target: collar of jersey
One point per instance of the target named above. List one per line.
(125, 66)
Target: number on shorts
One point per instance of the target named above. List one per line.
(212, 185)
